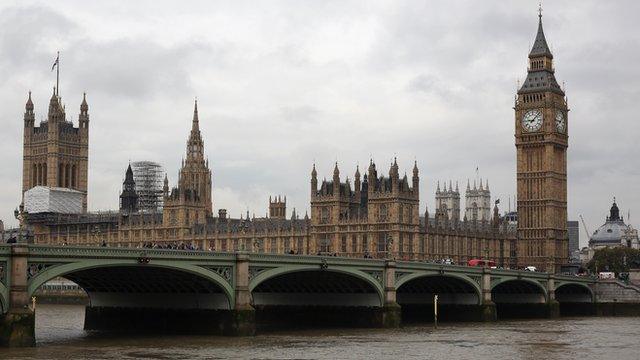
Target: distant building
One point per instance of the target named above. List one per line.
(148, 179)
(614, 232)
(573, 230)
(448, 201)
(478, 202)
(128, 197)
(55, 152)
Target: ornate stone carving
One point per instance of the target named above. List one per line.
(254, 271)
(376, 275)
(400, 274)
(3, 272)
(477, 279)
(225, 272)
(35, 268)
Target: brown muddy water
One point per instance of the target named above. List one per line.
(60, 336)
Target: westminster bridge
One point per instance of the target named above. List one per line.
(233, 293)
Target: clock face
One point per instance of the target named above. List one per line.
(561, 123)
(532, 120)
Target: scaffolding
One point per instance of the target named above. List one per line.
(148, 177)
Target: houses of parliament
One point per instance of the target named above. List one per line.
(378, 215)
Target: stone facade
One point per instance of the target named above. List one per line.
(378, 217)
(448, 201)
(55, 153)
(541, 130)
(478, 202)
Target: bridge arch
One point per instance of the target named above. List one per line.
(126, 283)
(574, 293)
(302, 285)
(419, 288)
(518, 291)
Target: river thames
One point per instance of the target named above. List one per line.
(60, 336)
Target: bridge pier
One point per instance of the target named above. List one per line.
(242, 318)
(17, 326)
(391, 312)
(487, 311)
(553, 306)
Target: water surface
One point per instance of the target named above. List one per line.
(60, 336)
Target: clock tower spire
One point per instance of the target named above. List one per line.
(541, 147)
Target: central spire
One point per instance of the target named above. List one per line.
(195, 146)
(540, 46)
(195, 126)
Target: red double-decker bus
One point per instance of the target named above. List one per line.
(480, 262)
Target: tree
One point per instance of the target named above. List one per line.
(617, 260)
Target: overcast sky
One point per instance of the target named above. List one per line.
(281, 84)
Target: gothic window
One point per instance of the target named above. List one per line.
(324, 215)
(34, 178)
(401, 213)
(365, 243)
(325, 244)
(287, 245)
(383, 212)
(354, 244)
(382, 242)
(67, 175)
(401, 244)
(300, 246)
(273, 248)
(343, 244)
(60, 174)
(73, 176)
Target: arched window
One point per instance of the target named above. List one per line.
(67, 176)
(34, 175)
(73, 176)
(60, 175)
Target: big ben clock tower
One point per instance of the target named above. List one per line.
(541, 142)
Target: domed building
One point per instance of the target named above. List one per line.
(614, 232)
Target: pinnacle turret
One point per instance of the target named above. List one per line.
(29, 105)
(84, 107)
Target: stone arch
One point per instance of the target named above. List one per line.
(444, 285)
(374, 297)
(518, 290)
(217, 291)
(574, 293)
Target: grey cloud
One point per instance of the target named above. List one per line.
(280, 86)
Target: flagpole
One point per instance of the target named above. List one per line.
(58, 75)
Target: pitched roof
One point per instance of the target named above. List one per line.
(540, 46)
